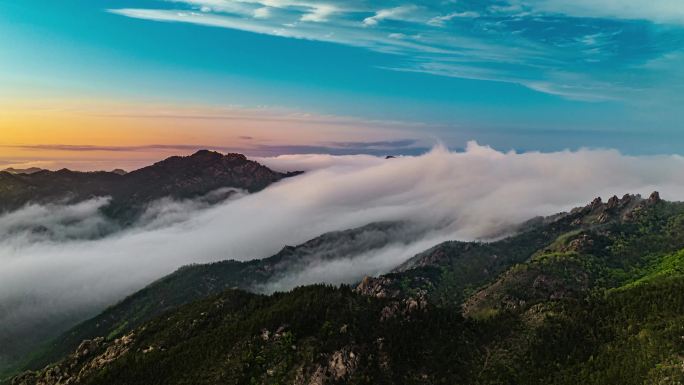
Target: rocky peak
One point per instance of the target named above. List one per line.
(214, 156)
(235, 156)
(177, 177)
(206, 154)
(613, 202)
(654, 197)
(614, 209)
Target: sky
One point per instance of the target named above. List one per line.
(94, 84)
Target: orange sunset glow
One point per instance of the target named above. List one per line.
(86, 135)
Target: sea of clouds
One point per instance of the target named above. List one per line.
(68, 261)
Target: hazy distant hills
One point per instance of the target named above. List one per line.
(30, 170)
(176, 177)
(593, 296)
(33, 170)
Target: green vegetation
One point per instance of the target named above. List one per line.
(176, 177)
(191, 283)
(632, 336)
(592, 297)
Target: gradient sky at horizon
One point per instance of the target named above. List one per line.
(131, 80)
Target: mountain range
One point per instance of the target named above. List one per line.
(176, 177)
(592, 296)
(206, 175)
(28, 171)
(195, 282)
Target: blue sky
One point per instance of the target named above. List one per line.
(522, 74)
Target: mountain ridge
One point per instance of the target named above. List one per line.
(206, 175)
(194, 282)
(559, 273)
(178, 177)
(30, 170)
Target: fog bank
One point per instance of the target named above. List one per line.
(462, 195)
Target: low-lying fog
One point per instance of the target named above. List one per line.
(52, 263)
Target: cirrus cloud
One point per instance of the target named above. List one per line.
(538, 44)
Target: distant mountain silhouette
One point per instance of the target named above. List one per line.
(119, 171)
(176, 177)
(30, 170)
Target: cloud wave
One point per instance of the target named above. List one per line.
(465, 195)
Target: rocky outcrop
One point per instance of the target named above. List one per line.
(615, 209)
(90, 356)
(583, 243)
(340, 366)
(404, 308)
(654, 197)
(382, 287)
(379, 287)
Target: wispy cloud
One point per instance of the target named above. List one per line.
(402, 13)
(658, 11)
(319, 13)
(380, 144)
(538, 44)
(442, 20)
(475, 193)
(388, 147)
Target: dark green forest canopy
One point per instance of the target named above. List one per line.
(590, 297)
